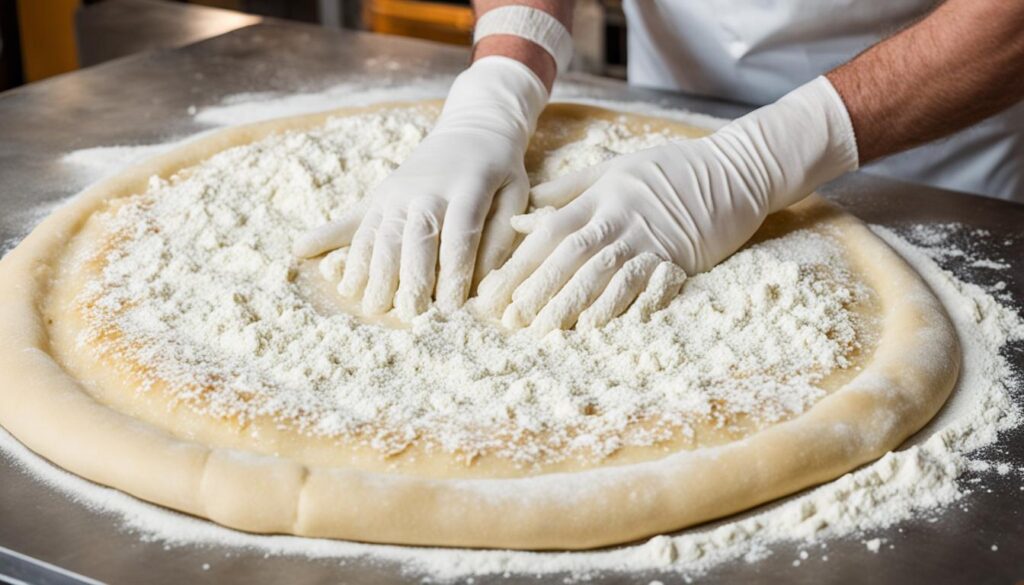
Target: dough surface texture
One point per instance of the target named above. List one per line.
(156, 336)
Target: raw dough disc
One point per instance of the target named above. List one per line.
(88, 417)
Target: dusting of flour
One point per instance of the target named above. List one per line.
(921, 478)
(204, 290)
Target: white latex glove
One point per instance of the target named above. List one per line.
(691, 202)
(456, 192)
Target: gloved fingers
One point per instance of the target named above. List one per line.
(499, 238)
(382, 280)
(560, 191)
(570, 254)
(623, 288)
(419, 256)
(460, 237)
(495, 290)
(582, 289)
(663, 286)
(357, 267)
(331, 235)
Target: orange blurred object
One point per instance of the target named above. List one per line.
(47, 31)
(425, 20)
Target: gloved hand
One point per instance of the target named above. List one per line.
(691, 202)
(456, 191)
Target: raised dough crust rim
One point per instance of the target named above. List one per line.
(915, 366)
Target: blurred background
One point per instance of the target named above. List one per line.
(42, 38)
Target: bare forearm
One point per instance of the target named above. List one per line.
(527, 52)
(961, 64)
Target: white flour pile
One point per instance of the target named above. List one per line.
(918, 480)
(204, 289)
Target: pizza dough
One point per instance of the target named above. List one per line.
(225, 407)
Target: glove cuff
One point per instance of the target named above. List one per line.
(830, 146)
(844, 137)
(794, 145)
(496, 94)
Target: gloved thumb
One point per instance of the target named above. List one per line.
(332, 235)
(528, 222)
(559, 192)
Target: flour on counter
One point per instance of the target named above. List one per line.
(248, 108)
(919, 480)
(245, 108)
(101, 161)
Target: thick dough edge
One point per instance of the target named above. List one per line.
(915, 366)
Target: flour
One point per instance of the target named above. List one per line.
(100, 161)
(203, 288)
(247, 108)
(918, 480)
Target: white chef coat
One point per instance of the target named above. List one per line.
(755, 51)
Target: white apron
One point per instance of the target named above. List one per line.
(755, 51)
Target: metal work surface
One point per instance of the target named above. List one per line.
(115, 28)
(144, 99)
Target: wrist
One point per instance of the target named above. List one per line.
(792, 146)
(523, 50)
(537, 36)
(498, 94)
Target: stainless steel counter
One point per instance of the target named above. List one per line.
(116, 28)
(143, 99)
